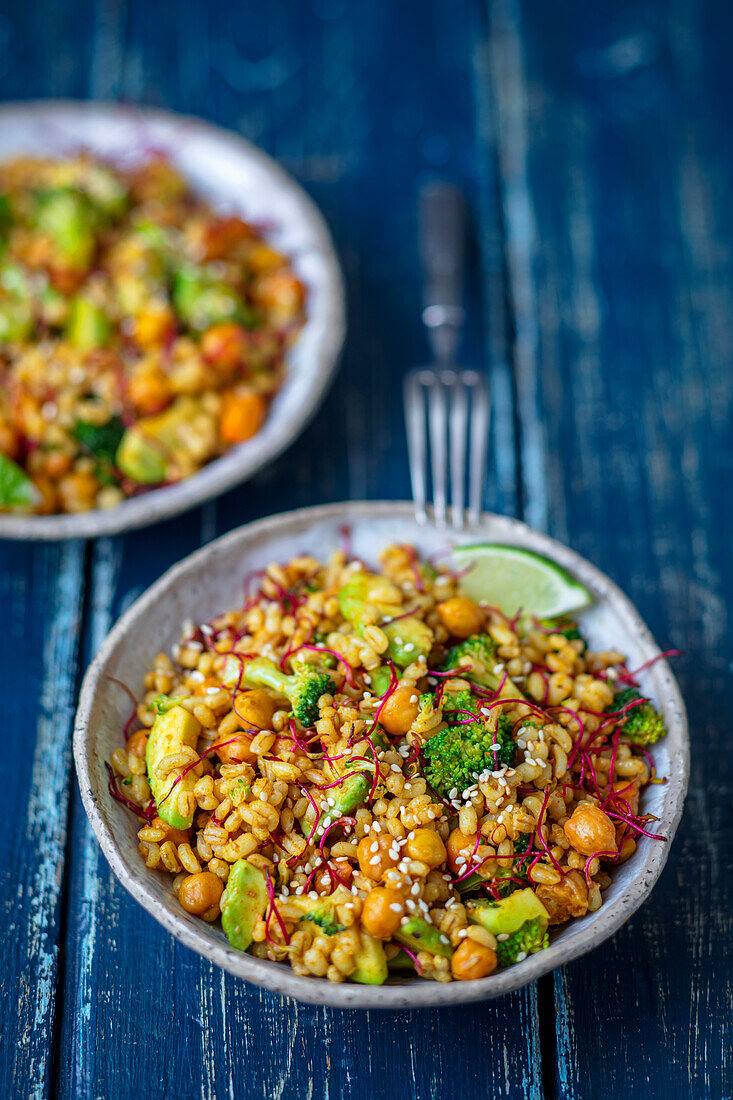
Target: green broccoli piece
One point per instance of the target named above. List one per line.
(643, 724)
(323, 914)
(519, 923)
(457, 755)
(101, 439)
(409, 639)
(527, 940)
(304, 688)
(476, 657)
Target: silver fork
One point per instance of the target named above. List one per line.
(444, 405)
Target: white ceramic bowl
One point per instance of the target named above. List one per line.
(233, 175)
(210, 580)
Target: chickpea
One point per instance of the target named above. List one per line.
(224, 344)
(149, 390)
(628, 791)
(178, 836)
(459, 844)
(426, 846)
(237, 751)
(472, 960)
(590, 830)
(153, 325)
(461, 616)
(137, 743)
(399, 711)
(58, 463)
(282, 294)
(77, 491)
(383, 910)
(201, 892)
(374, 862)
(255, 708)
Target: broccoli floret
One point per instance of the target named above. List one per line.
(475, 655)
(527, 940)
(426, 704)
(458, 754)
(324, 915)
(643, 724)
(304, 688)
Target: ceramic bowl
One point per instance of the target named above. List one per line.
(210, 580)
(232, 175)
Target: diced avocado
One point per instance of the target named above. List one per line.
(243, 903)
(16, 320)
(6, 215)
(420, 935)
(201, 300)
(509, 914)
(351, 794)
(68, 218)
(401, 962)
(364, 594)
(173, 729)
(380, 679)
(371, 962)
(88, 326)
(149, 449)
(141, 458)
(409, 639)
(16, 488)
(101, 439)
(378, 739)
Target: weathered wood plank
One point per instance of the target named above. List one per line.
(41, 596)
(617, 178)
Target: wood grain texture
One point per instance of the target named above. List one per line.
(619, 227)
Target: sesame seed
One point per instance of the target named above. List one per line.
(367, 678)
(415, 889)
(453, 792)
(409, 647)
(376, 827)
(463, 932)
(197, 677)
(298, 890)
(313, 895)
(411, 905)
(212, 691)
(395, 768)
(411, 835)
(498, 669)
(521, 956)
(395, 907)
(404, 920)
(413, 698)
(503, 936)
(374, 861)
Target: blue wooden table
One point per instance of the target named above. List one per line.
(595, 142)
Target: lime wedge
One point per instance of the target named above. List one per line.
(512, 579)
(16, 489)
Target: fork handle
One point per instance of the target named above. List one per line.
(442, 229)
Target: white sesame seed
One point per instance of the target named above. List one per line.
(212, 691)
(374, 861)
(411, 905)
(415, 889)
(503, 936)
(411, 835)
(413, 698)
(298, 890)
(463, 932)
(498, 669)
(367, 678)
(196, 677)
(395, 907)
(313, 895)
(521, 956)
(377, 828)
(374, 846)
(409, 647)
(404, 920)
(206, 629)
(395, 768)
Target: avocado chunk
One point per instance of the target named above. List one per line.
(321, 912)
(409, 639)
(508, 914)
(174, 729)
(88, 326)
(68, 217)
(157, 447)
(420, 935)
(16, 488)
(371, 961)
(243, 903)
(201, 300)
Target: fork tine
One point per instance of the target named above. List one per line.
(480, 418)
(438, 426)
(414, 400)
(458, 433)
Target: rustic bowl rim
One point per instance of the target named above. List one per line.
(239, 463)
(415, 993)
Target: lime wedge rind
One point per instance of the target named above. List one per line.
(513, 579)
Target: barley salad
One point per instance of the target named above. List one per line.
(366, 772)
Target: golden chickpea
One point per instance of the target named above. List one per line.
(461, 616)
(383, 910)
(282, 294)
(377, 854)
(459, 844)
(77, 491)
(628, 791)
(138, 742)
(236, 750)
(224, 344)
(153, 325)
(399, 711)
(255, 708)
(58, 463)
(178, 836)
(201, 892)
(426, 846)
(590, 830)
(149, 391)
(472, 960)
